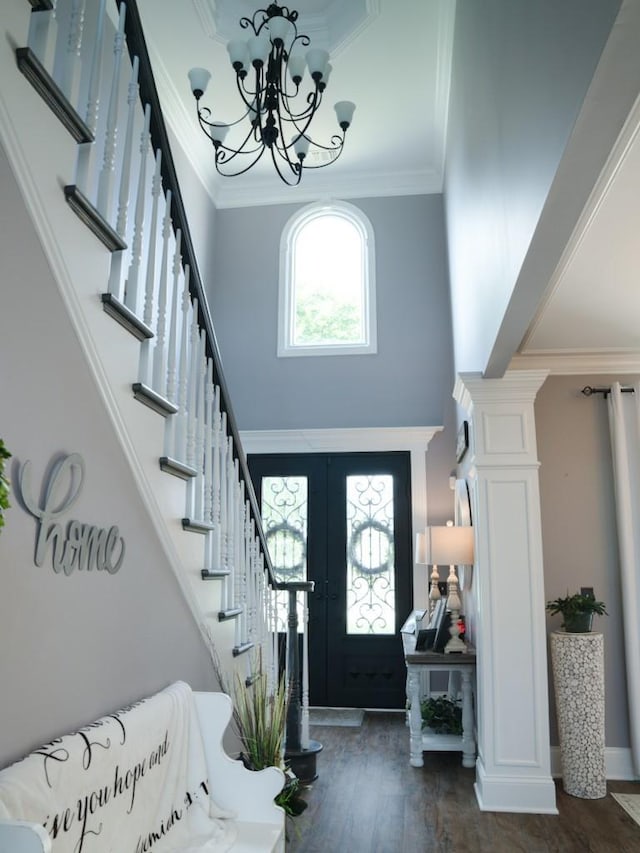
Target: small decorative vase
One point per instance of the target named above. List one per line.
(578, 624)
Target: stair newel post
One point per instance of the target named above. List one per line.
(68, 51)
(132, 283)
(93, 102)
(172, 348)
(159, 381)
(150, 278)
(41, 39)
(105, 180)
(305, 737)
(301, 759)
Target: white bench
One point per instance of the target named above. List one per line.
(248, 797)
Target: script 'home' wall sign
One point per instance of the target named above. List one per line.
(82, 546)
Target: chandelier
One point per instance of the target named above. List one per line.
(269, 69)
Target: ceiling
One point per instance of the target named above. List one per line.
(393, 59)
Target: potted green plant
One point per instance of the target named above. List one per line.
(577, 611)
(4, 482)
(259, 716)
(442, 715)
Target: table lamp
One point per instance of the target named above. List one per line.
(452, 546)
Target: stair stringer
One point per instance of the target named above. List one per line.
(80, 266)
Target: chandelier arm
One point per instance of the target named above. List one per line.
(339, 149)
(245, 93)
(203, 121)
(296, 169)
(220, 159)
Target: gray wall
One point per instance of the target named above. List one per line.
(407, 383)
(520, 73)
(72, 647)
(578, 522)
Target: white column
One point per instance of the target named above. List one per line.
(513, 767)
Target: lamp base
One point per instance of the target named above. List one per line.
(455, 646)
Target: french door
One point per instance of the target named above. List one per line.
(343, 521)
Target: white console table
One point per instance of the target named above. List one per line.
(427, 662)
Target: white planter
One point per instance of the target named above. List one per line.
(578, 675)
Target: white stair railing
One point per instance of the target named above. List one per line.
(128, 201)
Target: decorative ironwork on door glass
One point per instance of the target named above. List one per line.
(371, 575)
(285, 520)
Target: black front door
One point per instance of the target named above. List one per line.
(343, 521)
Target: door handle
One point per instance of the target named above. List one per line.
(334, 596)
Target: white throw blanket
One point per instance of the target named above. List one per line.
(132, 782)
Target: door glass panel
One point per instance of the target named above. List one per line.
(285, 520)
(371, 575)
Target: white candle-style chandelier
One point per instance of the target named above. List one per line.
(269, 69)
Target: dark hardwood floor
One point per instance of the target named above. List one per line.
(368, 799)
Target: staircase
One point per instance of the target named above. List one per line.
(82, 127)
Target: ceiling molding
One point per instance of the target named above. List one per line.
(446, 27)
(314, 187)
(368, 439)
(333, 28)
(565, 363)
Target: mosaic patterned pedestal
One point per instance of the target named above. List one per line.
(578, 676)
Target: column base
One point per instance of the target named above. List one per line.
(514, 793)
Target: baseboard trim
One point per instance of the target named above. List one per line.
(520, 794)
(618, 764)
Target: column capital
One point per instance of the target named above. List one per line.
(515, 387)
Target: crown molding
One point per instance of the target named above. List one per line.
(367, 439)
(333, 28)
(315, 186)
(567, 363)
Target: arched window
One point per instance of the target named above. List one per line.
(327, 282)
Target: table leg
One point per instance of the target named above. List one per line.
(415, 718)
(468, 739)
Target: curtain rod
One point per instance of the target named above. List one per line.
(589, 390)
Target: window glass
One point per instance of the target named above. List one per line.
(327, 293)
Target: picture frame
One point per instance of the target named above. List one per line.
(425, 639)
(462, 442)
(442, 635)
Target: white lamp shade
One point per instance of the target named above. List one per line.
(238, 52)
(259, 48)
(301, 146)
(317, 61)
(280, 28)
(449, 546)
(296, 66)
(199, 79)
(218, 132)
(344, 112)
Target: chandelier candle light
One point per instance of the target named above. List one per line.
(452, 546)
(269, 70)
